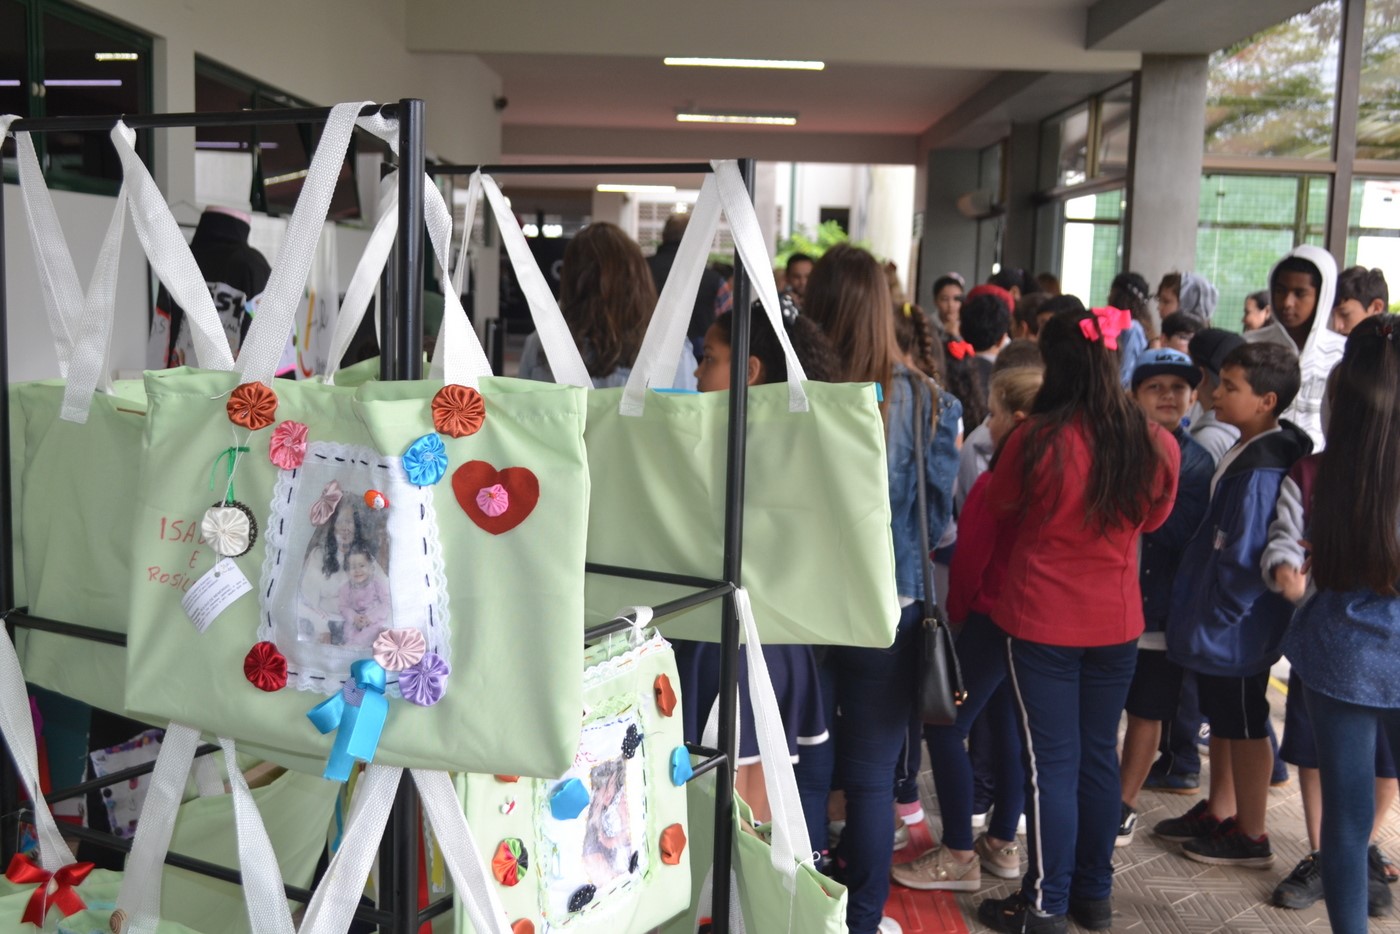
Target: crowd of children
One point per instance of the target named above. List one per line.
(1125, 520)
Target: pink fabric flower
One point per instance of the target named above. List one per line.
(287, 449)
(397, 649)
(324, 508)
(493, 500)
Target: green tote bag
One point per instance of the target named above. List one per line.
(389, 572)
(817, 552)
(602, 847)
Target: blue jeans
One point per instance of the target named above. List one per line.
(982, 653)
(815, 765)
(1069, 702)
(875, 694)
(1346, 752)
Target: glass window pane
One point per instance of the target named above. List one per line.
(1374, 238)
(89, 72)
(1273, 94)
(1378, 117)
(1072, 133)
(223, 162)
(1115, 130)
(1092, 240)
(14, 72)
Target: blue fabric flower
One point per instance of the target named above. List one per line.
(425, 461)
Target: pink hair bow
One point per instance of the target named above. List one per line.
(1107, 323)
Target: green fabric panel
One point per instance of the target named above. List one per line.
(818, 560)
(507, 592)
(664, 890)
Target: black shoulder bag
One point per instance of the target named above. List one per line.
(941, 690)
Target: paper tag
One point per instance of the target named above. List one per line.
(214, 592)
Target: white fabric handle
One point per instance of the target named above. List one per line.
(263, 894)
(555, 338)
(17, 728)
(332, 907)
(80, 321)
(170, 256)
(470, 873)
(660, 353)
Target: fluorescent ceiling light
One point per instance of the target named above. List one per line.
(761, 119)
(627, 189)
(747, 63)
(9, 82)
(116, 56)
(229, 144)
(83, 83)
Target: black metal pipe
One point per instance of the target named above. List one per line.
(590, 168)
(9, 778)
(659, 577)
(398, 856)
(21, 619)
(714, 759)
(733, 564)
(115, 778)
(438, 908)
(408, 347)
(661, 610)
(104, 122)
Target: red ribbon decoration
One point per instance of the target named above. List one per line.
(960, 350)
(265, 667)
(23, 871)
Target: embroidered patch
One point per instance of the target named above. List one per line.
(458, 411)
(252, 406)
(518, 493)
(287, 446)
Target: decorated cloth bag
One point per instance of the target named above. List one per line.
(386, 572)
(817, 554)
(775, 886)
(73, 510)
(603, 846)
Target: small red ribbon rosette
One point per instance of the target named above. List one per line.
(960, 350)
(1107, 323)
(64, 882)
(265, 667)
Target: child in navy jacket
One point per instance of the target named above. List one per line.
(1227, 625)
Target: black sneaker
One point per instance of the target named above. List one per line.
(1228, 846)
(1378, 897)
(1194, 824)
(1014, 915)
(1301, 888)
(1126, 826)
(1092, 914)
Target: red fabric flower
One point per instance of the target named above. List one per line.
(265, 667)
(665, 695)
(252, 405)
(458, 410)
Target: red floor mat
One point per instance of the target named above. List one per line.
(925, 912)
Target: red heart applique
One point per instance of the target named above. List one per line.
(476, 480)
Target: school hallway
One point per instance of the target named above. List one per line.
(1158, 891)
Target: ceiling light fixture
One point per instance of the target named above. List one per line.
(785, 64)
(735, 116)
(637, 189)
(82, 82)
(116, 56)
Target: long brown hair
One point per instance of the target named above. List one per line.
(607, 296)
(849, 298)
(1356, 499)
(913, 332)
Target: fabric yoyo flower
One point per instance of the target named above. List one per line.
(493, 500)
(229, 528)
(265, 667)
(665, 695)
(425, 683)
(287, 447)
(458, 411)
(324, 508)
(672, 844)
(397, 649)
(425, 461)
(253, 406)
(510, 862)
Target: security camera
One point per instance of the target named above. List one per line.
(500, 103)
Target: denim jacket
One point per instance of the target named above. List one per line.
(940, 470)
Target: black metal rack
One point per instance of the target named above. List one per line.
(401, 358)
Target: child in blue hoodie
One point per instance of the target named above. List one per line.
(1227, 625)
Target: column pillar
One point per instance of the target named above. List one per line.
(949, 240)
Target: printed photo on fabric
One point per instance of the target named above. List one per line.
(342, 568)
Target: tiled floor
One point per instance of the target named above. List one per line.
(1157, 891)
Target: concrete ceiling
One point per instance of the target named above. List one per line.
(586, 81)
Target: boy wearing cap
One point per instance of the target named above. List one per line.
(1208, 350)
(1163, 384)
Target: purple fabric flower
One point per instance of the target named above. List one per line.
(426, 682)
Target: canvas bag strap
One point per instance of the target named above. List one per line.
(921, 493)
(556, 340)
(661, 348)
(470, 873)
(80, 320)
(17, 728)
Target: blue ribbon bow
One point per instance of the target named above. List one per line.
(357, 715)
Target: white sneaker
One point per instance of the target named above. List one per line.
(979, 821)
(889, 925)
